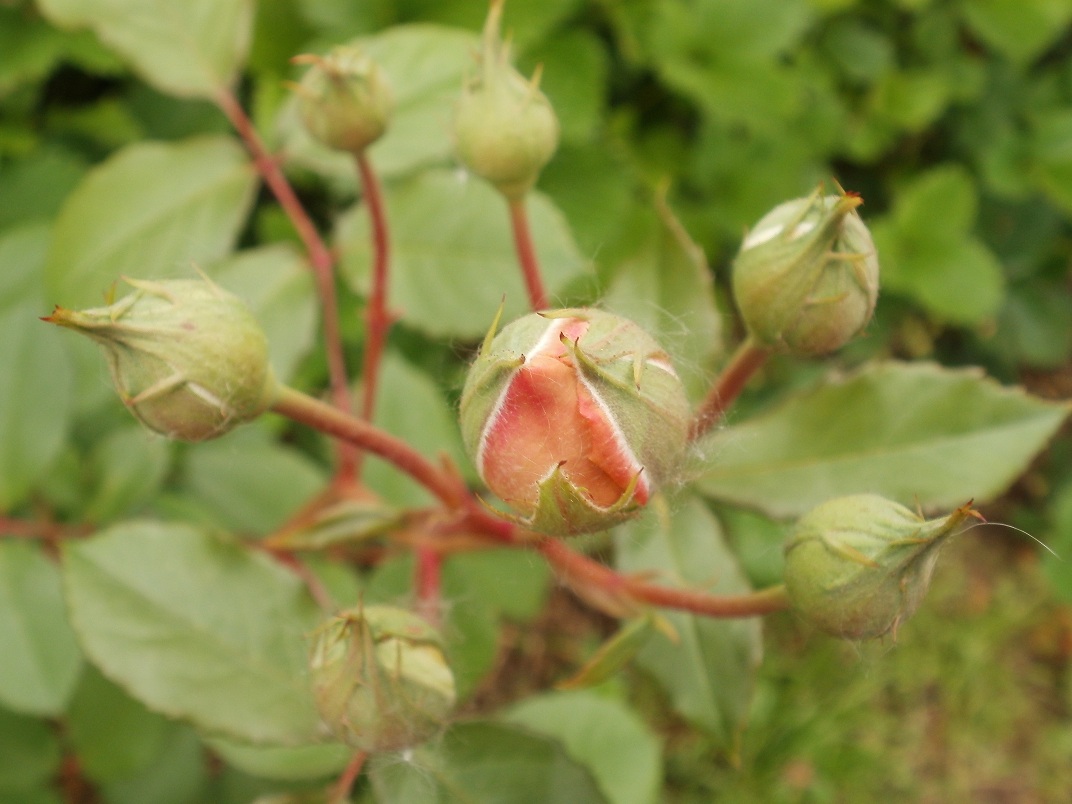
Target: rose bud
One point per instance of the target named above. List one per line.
(574, 418)
(380, 679)
(505, 130)
(806, 277)
(344, 99)
(187, 357)
(858, 566)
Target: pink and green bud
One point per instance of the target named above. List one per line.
(380, 679)
(505, 130)
(574, 418)
(859, 566)
(806, 277)
(344, 99)
(188, 358)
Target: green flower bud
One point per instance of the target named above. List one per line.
(806, 277)
(380, 679)
(574, 418)
(505, 130)
(858, 566)
(344, 99)
(187, 357)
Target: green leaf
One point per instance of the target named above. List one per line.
(29, 755)
(665, 286)
(150, 210)
(193, 48)
(36, 402)
(426, 65)
(574, 78)
(35, 185)
(275, 281)
(1051, 149)
(1018, 29)
(710, 674)
(249, 481)
(127, 467)
(113, 735)
(410, 404)
(453, 257)
(928, 253)
(177, 775)
(604, 735)
(41, 658)
(272, 762)
(196, 628)
(485, 763)
(911, 432)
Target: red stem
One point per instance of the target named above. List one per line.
(340, 791)
(429, 582)
(377, 319)
(321, 261)
(571, 565)
(526, 254)
(746, 361)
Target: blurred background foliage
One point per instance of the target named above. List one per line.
(952, 118)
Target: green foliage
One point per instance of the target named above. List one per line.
(168, 660)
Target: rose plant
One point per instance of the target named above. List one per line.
(316, 593)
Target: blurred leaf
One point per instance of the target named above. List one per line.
(1051, 150)
(912, 432)
(30, 755)
(927, 252)
(613, 654)
(193, 48)
(275, 281)
(42, 660)
(426, 65)
(1019, 29)
(34, 187)
(196, 628)
(127, 467)
(229, 476)
(665, 286)
(710, 675)
(604, 735)
(124, 220)
(1035, 325)
(485, 763)
(36, 395)
(177, 775)
(411, 405)
(453, 256)
(271, 762)
(113, 735)
(574, 76)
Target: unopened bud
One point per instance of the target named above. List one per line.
(858, 566)
(806, 277)
(187, 357)
(344, 99)
(505, 130)
(574, 418)
(380, 679)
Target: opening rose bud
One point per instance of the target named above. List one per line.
(574, 418)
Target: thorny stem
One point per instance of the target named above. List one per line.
(573, 567)
(526, 254)
(340, 791)
(746, 361)
(321, 261)
(377, 319)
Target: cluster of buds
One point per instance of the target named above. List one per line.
(574, 418)
(806, 277)
(380, 679)
(187, 357)
(859, 566)
(505, 130)
(344, 99)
